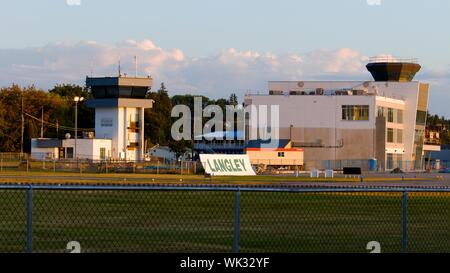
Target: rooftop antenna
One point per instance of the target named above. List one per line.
(120, 73)
(135, 66)
(92, 69)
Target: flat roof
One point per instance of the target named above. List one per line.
(119, 81)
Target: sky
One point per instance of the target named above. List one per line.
(214, 48)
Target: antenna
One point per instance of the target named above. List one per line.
(23, 126)
(92, 69)
(136, 66)
(120, 74)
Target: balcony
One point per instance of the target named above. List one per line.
(133, 125)
(132, 145)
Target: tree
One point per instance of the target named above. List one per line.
(180, 147)
(34, 100)
(233, 99)
(66, 116)
(158, 119)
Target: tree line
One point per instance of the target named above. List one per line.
(56, 108)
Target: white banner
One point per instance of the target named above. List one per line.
(226, 165)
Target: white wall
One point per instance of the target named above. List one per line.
(318, 111)
(102, 132)
(89, 148)
(118, 132)
(325, 111)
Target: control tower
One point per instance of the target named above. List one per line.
(387, 69)
(119, 104)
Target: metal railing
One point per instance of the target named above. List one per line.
(222, 219)
(99, 166)
(392, 59)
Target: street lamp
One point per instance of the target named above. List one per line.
(76, 100)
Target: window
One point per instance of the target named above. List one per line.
(400, 116)
(390, 161)
(106, 122)
(390, 135)
(102, 153)
(380, 111)
(280, 154)
(69, 152)
(390, 115)
(355, 112)
(421, 117)
(399, 136)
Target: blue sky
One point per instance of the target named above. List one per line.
(183, 41)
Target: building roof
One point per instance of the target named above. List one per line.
(223, 135)
(120, 81)
(274, 144)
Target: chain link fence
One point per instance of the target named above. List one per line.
(14, 163)
(211, 219)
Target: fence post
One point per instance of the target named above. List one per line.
(405, 222)
(54, 165)
(1, 165)
(30, 219)
(237, 221)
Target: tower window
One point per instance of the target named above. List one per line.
(355, 112)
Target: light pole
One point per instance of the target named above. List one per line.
(76, 100)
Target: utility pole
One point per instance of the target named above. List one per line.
(76, 129)
(57, 129)
(77, 100)
(22, 127)
(42, 122)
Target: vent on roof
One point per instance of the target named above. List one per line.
(297, 93)
(275, 93)
(320, 91)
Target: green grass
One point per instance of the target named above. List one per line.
(123, 221)
(89, 178)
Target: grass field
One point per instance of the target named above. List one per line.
(121, 178)
(124, 221)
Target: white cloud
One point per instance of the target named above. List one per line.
(217, 75)
(228, 70)
(73, 2)
(374, 2)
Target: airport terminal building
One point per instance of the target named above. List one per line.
(340, 121)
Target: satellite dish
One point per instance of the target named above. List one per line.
(366, 84)
(300, 84)
(67, 136)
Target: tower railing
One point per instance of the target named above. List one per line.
(392, 59)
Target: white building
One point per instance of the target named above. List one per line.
(353, 120)
(119, 104)
(94, 149)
